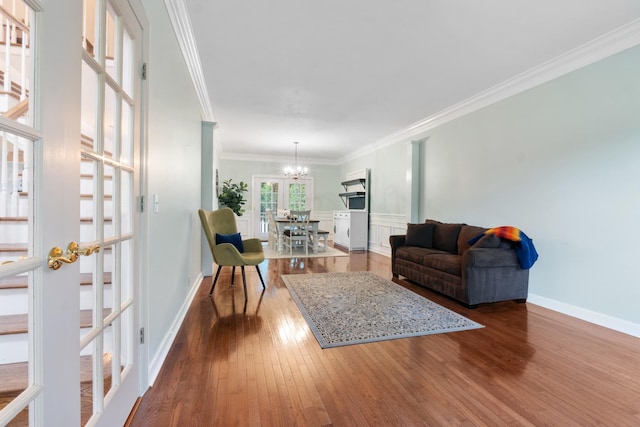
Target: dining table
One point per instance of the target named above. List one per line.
(283, 223)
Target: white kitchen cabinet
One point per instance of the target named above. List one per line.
(350, 229)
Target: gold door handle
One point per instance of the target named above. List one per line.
(86, 251)
(57, 257)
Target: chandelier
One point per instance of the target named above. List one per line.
(295, 170)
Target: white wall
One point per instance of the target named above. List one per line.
(174, 148)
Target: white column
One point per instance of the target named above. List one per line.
(207, 188)
(414, 152)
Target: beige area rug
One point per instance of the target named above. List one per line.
(330, 252)
(361, 307)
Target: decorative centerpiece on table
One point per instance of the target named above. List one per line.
(232, 196)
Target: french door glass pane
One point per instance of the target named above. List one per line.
(126, 137)
(107, 357)
(88, 202)
(88, 107)
(127, 63)
(126, 276)
(15, 61)
(110, 216)
(110, 118)
(109, 280)
(126, 202)
(126, 339)
(111, 65)
(89, 36)
(268, 201)
(86, 387)
(15, 339)
(297, 196)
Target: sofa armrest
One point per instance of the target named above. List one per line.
(493, 274)
(489, 257)
(395, 241)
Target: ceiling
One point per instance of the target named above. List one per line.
(341, 75)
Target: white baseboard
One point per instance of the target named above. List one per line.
(607, 321)
(382, 250)
(158, 359)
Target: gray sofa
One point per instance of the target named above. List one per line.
(438, 256)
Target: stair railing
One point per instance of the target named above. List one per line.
(16, 33)
(14, 174)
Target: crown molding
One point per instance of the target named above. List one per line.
(276, 159)
(179, 16)
(600, 48)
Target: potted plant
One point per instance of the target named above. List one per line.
(232, 196)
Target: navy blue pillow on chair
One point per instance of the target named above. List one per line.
(234, 239)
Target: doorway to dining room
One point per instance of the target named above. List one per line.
(274, 192)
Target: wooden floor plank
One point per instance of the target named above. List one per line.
(261, 365)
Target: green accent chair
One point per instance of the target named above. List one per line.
(223, 221)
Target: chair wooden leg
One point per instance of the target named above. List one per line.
(244, 282)
(260, 276)
(233, 274)
(215, 280)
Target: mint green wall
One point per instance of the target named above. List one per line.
(387, 175)
(562, 162)
(326, 180)
(173, 172)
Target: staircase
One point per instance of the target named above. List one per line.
(14, 292)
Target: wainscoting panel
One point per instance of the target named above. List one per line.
(326, 221)
(381, 226)
(244, 224)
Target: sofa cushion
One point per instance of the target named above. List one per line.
(446, 262)
(467, 232)
(420, 235)
(445, 237)
(415, 254)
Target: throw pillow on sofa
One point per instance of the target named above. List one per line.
(420, 235)
(468, 232)
(445, 237)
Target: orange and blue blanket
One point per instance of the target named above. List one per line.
(526, 252)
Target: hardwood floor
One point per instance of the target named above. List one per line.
(261, 365)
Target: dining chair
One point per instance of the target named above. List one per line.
(227, 247)
(297, 232)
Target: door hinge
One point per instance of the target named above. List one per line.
(143, 71)
(141, 335)
(141, 204)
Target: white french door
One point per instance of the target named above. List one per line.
(68, 221)
(109, 185)
(274, 192)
